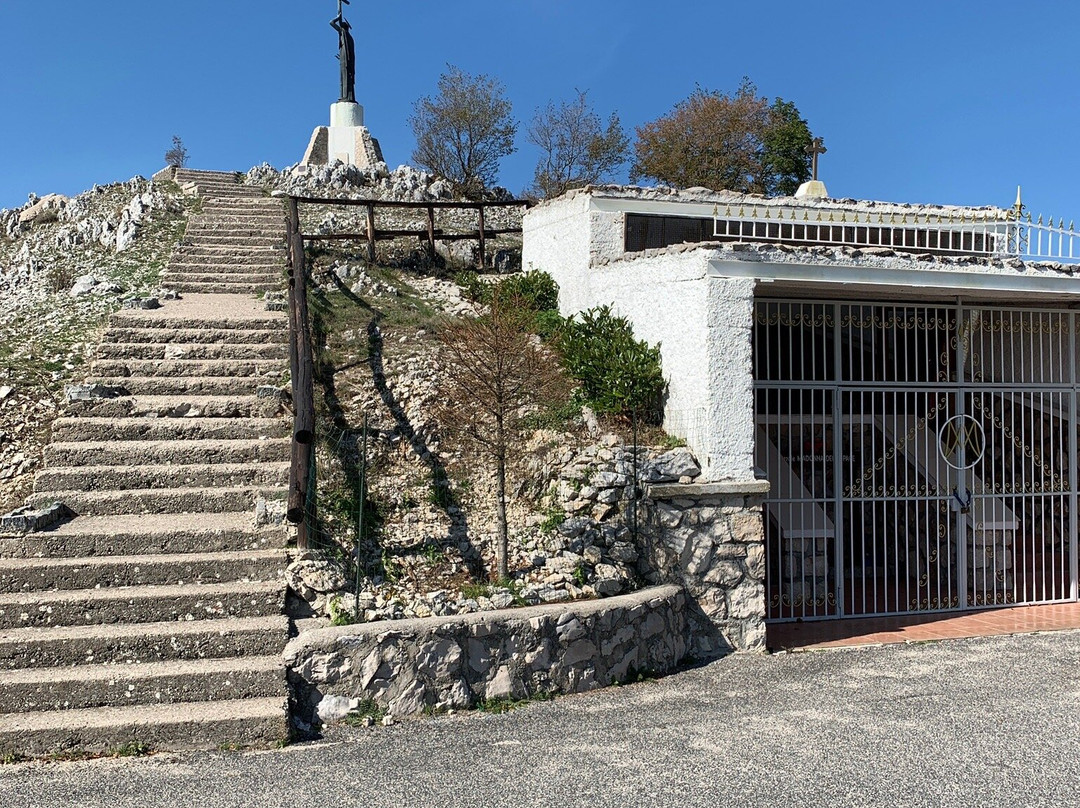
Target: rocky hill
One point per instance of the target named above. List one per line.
(430, 520)
(65, 264)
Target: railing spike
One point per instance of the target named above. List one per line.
(1070, 226)
(805, 215)
(716, 211)
(1040, 219)
(1061, 223)
(1029, 217)
(727, 210)
(766, 213)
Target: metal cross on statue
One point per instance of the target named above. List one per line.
(816, 147)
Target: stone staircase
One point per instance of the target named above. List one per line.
(235, 245)
(157, 614)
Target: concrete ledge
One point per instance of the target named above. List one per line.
(717, 489)
(408, 666)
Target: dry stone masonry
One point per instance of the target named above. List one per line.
(437, 663)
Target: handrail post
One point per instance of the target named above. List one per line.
(431, 232)
(301, 371)
(483, 244)
(370, 233)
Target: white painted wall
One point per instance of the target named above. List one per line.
(703, 324)
(556, 237)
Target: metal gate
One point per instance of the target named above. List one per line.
(922, 457)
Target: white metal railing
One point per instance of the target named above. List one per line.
(1002, 233)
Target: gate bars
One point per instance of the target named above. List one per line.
(922, 456)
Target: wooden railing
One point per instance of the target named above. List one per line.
(429, 234)
(301, 360)
(301, 365)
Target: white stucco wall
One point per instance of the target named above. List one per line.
(556, 237)
(703, 327)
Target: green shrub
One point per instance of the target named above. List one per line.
(534, 290)
(472, 287)
(619, 374)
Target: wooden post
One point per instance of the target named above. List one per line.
(483, 243)
(370, 233)
(431, 232)
(302, 372)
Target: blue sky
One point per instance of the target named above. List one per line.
(945, 102)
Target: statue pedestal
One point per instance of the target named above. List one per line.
(346, 139)
(346, 113)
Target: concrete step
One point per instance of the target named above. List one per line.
(186, 452)
(231, 230)
(145, 534)
(221, 288)
(141, 604)
(62, 646)
(179, 406)
(68, 429)
(259, 277)
(24, 577)
(269, 320)
(123, 478)
(193, 350)
(188, 367)
(185, 385)
(217, 269)
(32, 690)
(164, 727)
(149, 500)
(234, 241)
(191, 336)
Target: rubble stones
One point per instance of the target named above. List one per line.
(28, 520)
(442, 663)
(714, 546)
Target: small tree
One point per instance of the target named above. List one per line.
(176, 156)
(494, 371)
(619, 374)
(576, 149)
(463, 132)
(735, 142)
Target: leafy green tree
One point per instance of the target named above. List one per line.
(463, 132)
(737, 142)
(576, 149)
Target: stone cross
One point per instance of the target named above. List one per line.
(816, 147)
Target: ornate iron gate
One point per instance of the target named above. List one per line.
(922, 457)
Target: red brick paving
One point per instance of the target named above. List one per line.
(922, 627)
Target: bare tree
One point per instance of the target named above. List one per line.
(176, 156)
(463, 132)
(576, 149)
(494, 372)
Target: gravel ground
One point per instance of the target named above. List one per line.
(960, 723)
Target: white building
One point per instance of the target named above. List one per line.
(905, 377)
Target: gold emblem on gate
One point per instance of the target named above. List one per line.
(961, 432)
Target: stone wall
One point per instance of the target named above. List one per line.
(709, 538)
(408, 666)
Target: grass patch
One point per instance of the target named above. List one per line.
(504, 704)
(367, 709)
(11, 756)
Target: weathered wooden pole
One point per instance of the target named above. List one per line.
(431, 231)
(301, 371)
(483, 242)
(370, 233)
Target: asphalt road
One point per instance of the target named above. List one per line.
(961, 723)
